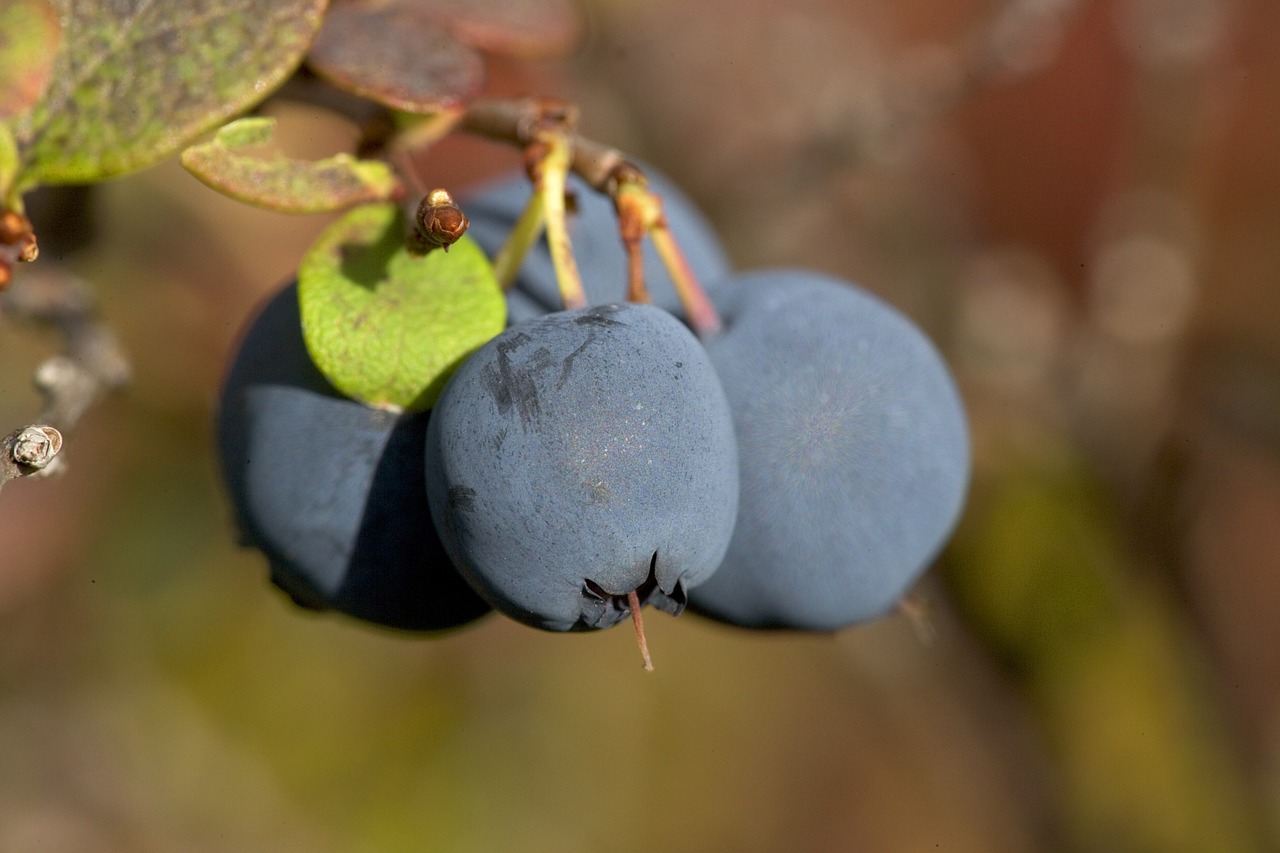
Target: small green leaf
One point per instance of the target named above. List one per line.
(279, 183)
(136, 80)
(388, 327)
(29, 35)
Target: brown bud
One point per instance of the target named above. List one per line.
(28, 249)
(13, 227)
(440, 222)
(6, 272)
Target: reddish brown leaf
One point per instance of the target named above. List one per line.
(525, 29)
(397, 55)
(29, 34)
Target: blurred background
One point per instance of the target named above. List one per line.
(1078, 199)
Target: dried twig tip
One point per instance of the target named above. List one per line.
(35, 446)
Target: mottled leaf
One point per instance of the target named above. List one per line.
(8, 166)
(388, 327)
(279, 183)
(29, 34)
(526, 29)
(397, 55)
(135, 80)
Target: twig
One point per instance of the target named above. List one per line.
(92, 363)
(519, 121)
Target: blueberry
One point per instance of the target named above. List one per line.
(582, 456)
(598, 250)
(330, 490)
(853, 453)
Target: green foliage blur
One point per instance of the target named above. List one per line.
(1080, 201)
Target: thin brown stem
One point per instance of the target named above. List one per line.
(697, 305)
(633, 602)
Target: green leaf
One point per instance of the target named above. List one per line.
(388, 327)
(279, 183)
(136, 80)
(29, 35)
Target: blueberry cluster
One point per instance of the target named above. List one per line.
(797, 469)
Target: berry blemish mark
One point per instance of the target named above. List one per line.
(462, 498)
(511, 386)
(599, 316)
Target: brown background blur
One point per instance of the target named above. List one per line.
(1079, 200)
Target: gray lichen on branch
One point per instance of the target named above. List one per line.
(28, 450)
(91, 364)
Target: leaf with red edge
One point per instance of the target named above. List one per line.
(279, 183)
(397, 55)
(524, 29)
(29, 33)
(135, 80)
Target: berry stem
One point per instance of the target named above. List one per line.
(640, 211)
(552, 174)
(634, 209)
(702, 315)
(637, 291)
(535, 122)
(633, 602)
(521, 238)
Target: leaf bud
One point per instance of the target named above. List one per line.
(440, 222)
